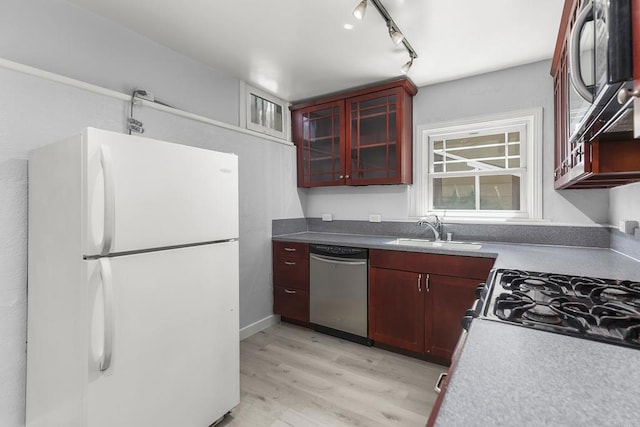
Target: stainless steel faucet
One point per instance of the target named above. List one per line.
(435, 225)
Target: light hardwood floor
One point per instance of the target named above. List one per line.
(292, 376)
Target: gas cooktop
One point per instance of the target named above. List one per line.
(600, 309)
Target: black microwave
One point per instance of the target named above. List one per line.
(600, 69)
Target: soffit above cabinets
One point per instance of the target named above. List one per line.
(299, 49)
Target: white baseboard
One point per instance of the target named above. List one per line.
(258, 326)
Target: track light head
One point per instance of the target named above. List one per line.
(394, 32)
(396, 36)
(360, 9)
(405, 68)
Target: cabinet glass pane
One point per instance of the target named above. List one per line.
(321, 145)
(373, 138)
(374, 162)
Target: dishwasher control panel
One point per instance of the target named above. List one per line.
(339, 251)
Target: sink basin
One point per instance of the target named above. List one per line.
(436, 244)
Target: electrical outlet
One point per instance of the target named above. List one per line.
(327, 217)
(375, 218)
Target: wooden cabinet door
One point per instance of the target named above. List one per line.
(448, 300)
(318, 132)
(377, 138)
(396, 308)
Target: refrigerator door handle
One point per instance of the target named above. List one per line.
(107, 294)
(109, 200)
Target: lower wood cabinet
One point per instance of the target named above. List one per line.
(291, 303)
(449, 298)
(396, 306)
(291, 280)
(417, 300)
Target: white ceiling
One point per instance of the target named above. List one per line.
(298, 49)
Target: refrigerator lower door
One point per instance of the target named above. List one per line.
(163, 337)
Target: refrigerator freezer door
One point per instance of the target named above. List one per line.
(142, 194)
(174, 354)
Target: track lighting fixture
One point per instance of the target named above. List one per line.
(394, 32)
(396, 36)
(405, 68)
(360, 9)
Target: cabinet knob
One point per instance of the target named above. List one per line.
(341, 176)
(625, 94)
(346, 176)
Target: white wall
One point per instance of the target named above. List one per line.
(519, 88)
(624, 203)
(58, 37)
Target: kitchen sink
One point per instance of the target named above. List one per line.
(424, 243)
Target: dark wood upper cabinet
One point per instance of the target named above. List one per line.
(319, 135)
(361, 137)
(608, 160)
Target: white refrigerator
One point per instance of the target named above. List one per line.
(133, 283)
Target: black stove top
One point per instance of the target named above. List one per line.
(600, 309)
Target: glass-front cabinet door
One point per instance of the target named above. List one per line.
(374, 131)
(361, 137)
(319, 134)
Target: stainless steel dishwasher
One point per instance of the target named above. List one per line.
(339, 291)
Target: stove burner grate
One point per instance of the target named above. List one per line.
(600, 309)
(543, 314)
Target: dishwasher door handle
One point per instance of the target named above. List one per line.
(331, 260)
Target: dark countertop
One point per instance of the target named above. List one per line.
(511, 375)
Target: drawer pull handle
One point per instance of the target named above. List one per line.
(289, 291)
(419, 282)
(290, 249)
(289, 263)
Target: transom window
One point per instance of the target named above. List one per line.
(264, 113)
(484, 168)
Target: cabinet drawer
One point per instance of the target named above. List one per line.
(283, 250)
(291, 272)
(291, 303)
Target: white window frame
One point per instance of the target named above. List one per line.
(530, 152)
(245, 112)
